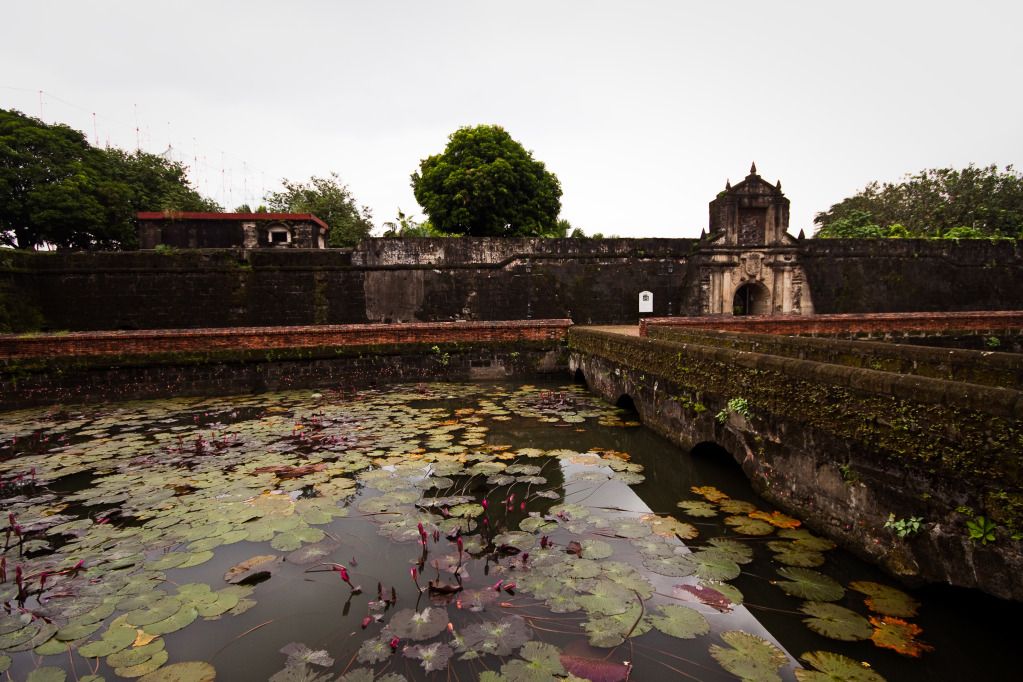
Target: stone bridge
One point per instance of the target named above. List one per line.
(843, 433)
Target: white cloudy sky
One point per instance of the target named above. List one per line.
(642, 108)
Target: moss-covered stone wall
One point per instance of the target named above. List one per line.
(842, 447)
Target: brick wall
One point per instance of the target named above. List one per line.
(241, 338)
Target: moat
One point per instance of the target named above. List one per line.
(433, 531)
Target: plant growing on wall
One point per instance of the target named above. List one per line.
(738, 406)
(904, 527)
(981, 529)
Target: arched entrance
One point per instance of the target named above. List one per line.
(751, 299)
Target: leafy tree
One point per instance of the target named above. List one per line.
(486, 184)
(56, 188)
(932, 203)
(407, 226)
(328, 199)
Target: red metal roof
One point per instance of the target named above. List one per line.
(200, 215)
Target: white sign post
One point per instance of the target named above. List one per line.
(646, 302)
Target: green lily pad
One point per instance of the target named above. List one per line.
(418, 625)
(160, 610)
(810, 585)
(747, 526)
(184, 617)
(672, 566)
(144, 668)
(606, 597)
(710, 564)
(888, 601)
(836, 622)
(499, 638)
(113, 640)
(698, 508)
(431, 656)
(610, 631)
(186, 671)
(679, 621)
(830, 667)
(737, 551)
(47, 673)
(791, 554)
(540, 663)
(748, 657)
(135, 655)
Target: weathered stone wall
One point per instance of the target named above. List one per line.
(88, 367)
(904, 275)
(592, 281)
(842, 447)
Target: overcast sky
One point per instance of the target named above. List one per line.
(642, 108)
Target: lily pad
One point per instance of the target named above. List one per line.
(418, 625)
(888, 601)
(747, 526)
(831, 667)
(251, 570)
(187, 671)
(680, 621)
(705, 595)
(300, 653)
(810, 585)
(791, 554)
(432, 656)
(144, 668)
(47, 673)
(698, 508)
(749, 657)
(836, 622)
(898, 635)
(540, 662)
(500, 638)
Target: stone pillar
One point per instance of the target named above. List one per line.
(786, 306)
(250, 238)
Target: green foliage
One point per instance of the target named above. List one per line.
(407, 226)
(981, 529)
(904, 527)
(969, 203)
(487, 184)
(992, 342)
(739, 406)
(328, 199)
(57, 189)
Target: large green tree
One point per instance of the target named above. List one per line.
(487, 184)
(57, 189)
(330, 200)
(976, 201)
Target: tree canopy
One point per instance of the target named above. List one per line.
(56, 188)
(973, 202)
(485, 183)
(328, 199)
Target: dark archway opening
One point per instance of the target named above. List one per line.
(714, 453)
(626, 403)
(579, 377)
(751, 299)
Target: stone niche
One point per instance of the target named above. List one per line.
(749, 263)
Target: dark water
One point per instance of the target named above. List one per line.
(148, 483)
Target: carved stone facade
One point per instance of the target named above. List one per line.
(749, 263)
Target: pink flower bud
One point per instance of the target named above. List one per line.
(394, 643)
(366, 621)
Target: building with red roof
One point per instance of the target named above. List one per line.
(197, 230)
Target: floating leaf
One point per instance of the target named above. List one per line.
(679, 621)
(596, 549)
(144, 668)
(418, 625)
(749, 657)
(187, 671)
(310, 554)
(47, 673)
(710, 564)
(500, 638)
(704, 595)
(791, 554)
(748, 526)
(698, 508)
(737, 551)
(610, 631)
(541, 662)
(830, 667)
(130, 657)
(596, 669)
(776, 519)
(898, 635)
(810, 585)
(669, 527)
(299, 653)
(672, 566)
(183, 618)
(888, 601)
(375, 650)
(807, 540)
(709, 493)
(731, 506)
(252, 570)
(432, 656)
(836, 622)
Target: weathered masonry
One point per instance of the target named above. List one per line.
(747, 264)
(94, 366)
(843, 433)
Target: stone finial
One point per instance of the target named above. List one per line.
(703, 233)
(728, 184)
(778, 186)
(802, 235)
(753, 168)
